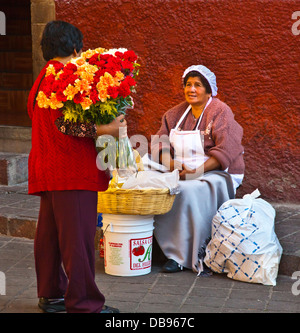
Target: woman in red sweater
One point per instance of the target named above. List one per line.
(63, 172)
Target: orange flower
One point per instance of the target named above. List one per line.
(86, 72)
(89, 53)
(82, 85)
(100, 50)
(86, 68)
(118, 78)
(105, 81)
(50, 70)
(102, 93)
(59, 74)
(70, 92)
(90, 68)
(79, 61)
(54, 103)
(42, 100)
(87, 76)
(86, 103)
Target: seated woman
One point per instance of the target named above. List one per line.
(210, 169)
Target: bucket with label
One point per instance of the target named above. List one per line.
(127, 244)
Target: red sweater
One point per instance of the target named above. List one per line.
(58, 161)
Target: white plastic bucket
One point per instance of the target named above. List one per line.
(127, 244)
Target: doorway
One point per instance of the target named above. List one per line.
(15, 63)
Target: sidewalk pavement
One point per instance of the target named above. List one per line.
(155, 292)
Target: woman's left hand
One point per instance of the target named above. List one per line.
(187, 173)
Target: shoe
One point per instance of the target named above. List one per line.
(109, 309)
(171, 266)
(52, 305)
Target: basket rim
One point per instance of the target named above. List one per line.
(135, 191)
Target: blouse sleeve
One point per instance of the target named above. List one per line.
(83, 130)
(160, 141)
(227, 135)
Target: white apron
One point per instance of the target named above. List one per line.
(188, 145)
(189, 148)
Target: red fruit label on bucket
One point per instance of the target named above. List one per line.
(140, 253)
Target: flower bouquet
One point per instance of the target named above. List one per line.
(95, 87)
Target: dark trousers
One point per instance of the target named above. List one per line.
(65, 235)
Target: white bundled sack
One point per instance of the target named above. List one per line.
(244, 244)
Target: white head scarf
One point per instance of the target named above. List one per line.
(209, 75)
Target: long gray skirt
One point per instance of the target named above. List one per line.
(182, 232)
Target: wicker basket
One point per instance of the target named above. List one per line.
(135, 202)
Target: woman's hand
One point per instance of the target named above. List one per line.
(187, 173)
(114, 128)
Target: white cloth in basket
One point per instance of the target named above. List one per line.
(153, 180)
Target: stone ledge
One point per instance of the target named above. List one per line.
(15, 139)
(13, 168)
(18, 227)
(25, 227)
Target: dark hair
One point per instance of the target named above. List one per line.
(202, 79)
(60, 39)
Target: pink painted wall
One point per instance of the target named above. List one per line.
(249, 44)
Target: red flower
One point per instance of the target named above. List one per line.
(68, 78)
(113, 92)
(57, 85)
(119, 54)
(130, 56)
(130, 81)
(111, 70)
(47, 89)
(127, 65)
(94, 96)
(78, 98)
(124, 89)
(61, 96)
(98, 74)
(105, 57)
(70, 68)
(58, 66)
(94, 59)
